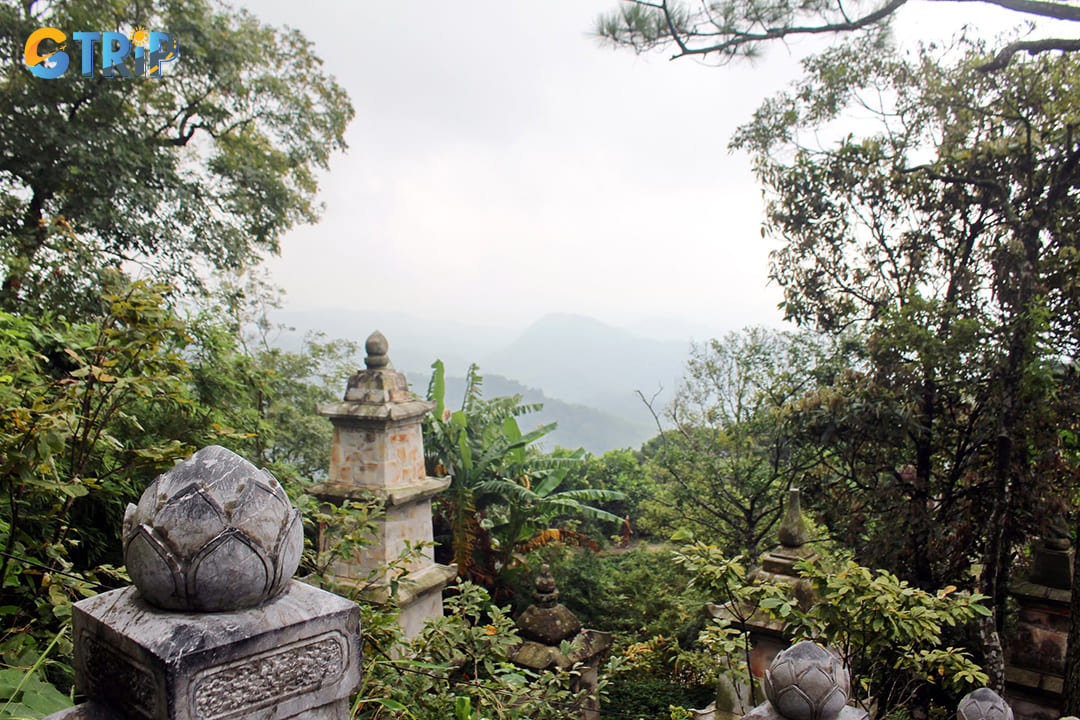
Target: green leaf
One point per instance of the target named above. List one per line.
(74, 490)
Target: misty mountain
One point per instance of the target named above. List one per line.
(578, 425)
(582, 360)
(585, 372)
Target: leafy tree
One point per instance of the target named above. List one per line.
(732, 453)
(723, 30)
(74, 453)
(457, 667)
(206, 166)
(948, 236)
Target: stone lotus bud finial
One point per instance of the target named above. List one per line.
(212, 534)
(807, 682)
(793, 527)
(377, 346)
(546, 594)
(983, 704)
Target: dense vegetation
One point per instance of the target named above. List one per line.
(927, 407)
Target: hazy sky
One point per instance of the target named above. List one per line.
(503, 165)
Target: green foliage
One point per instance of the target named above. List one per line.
(505, 497)
(209, 165)
(637, 593)
(945, 231)
(459, 664)
(93, 411)
(25, 692)
(72, 439)
(652, 696)
(889, 633)
(733, 451)
(724, 30)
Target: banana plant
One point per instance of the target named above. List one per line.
(504, 493)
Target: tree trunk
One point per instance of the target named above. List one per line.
(30, 241)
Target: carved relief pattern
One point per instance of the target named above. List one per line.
(117, 677)
(269, 678)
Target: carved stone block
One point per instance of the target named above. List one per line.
(297, 656)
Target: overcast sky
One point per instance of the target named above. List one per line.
(503, 164)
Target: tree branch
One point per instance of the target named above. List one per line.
(738, 38)
(1056, 10)
(1031, 47)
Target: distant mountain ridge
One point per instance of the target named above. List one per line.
(578, 425)
(586, 372)
(582, 360)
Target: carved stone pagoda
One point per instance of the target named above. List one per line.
(777, 567)
(378, 449)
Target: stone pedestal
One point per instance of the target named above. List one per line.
(214, 628)
(378, 450)
(297, 656)
(1034, 675)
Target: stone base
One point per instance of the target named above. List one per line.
(419, 595)
(1033, 695)
(766, 711)
(296, 656)
(1042, 628)
(96, 711)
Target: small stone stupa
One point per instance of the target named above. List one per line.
(545, 625)
(378, 448)
(777, 566)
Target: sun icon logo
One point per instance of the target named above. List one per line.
(140, 37)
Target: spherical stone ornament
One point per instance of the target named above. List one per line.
(377, 348)
(983, 704)
(215, 533)
(807, 682)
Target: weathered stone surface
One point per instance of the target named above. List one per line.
(377, 348)
(548, 625)
(378, 450)
(214, 533)
(546, 621)
(537, 656)
(807, 682)
(793, 531)
(379, 456)
(295, 656)
(1051, 563)
(766, 711)
(983, 704)
(86, 711)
